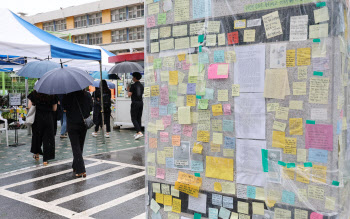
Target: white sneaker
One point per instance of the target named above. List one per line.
(94, 134)
(138, 136)
(135, 135)
(107, 135)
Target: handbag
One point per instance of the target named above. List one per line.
(31, 115)
(88, 122)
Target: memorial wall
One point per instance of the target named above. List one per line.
(246, 109)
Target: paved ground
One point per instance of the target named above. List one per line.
(114, 187)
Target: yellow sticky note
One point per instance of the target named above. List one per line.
(197, 149)
(288, 173)
(249, 36)
(219, 168)
(217, 138)
(321, 15)
(260, 193)
(159, 198)
(151, 170)
(296, 104)
(302, 73)
(189, 179)
(147, 92)
(184, 115)
(299, 88)
(228, 187)
(235, 90)
(258, 208)
(214, 147)
(217, 187)
(290, 146)
(315, 192)
(155, 90)
(278, 139)
(330, 203)
(168, 200)
(151, 157)
(221, 39)
(296, 126)
(176, 205)
(191, 100)
(203, 136)
(192, 190)
(270, 203)
(303, 174)
(228, 152)
(173, 77)
(282, 113)
(272, 107)
(279, 126)
(239, 24)
(290, 58)
(272, 25)
(222, 69)
(303, 56)
(319, 173)
(243, 207)
(217, 109)
(222, 95)
(301, 155)
(230, 56)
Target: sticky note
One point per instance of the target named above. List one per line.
(258, 208)
(219, 168)
(184, 115)
(296, 126)
(217, 138)
(213, 213)
(217, 71)
(216, 199)
(303, 56)
(217, 187)
(272, 25)
(249, 36)
(232, 38)
(251, 192)
(243, 207)
(222, 95)
(228, 187)
(176, 205)
(159, 198)
(224, 213)
(239, 24)
(154, 206)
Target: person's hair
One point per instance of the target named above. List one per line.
(43, 98)
(105, 87)
(137, 75)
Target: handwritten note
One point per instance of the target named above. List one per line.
(318, 92)
(272, 25)
(298, 28)
(319, 136)
(217, 71)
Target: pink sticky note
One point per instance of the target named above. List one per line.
(315, 215)
(151, 21)
(164, 137)
(176, 129)
(213, 71)
(166, 121)
(154, 112)
(227, 109)
(341, 114)
(160, 173)
(164, 96)
(187, 130)
(319, 136)
(185, 66)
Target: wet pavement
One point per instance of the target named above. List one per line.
(114, 186)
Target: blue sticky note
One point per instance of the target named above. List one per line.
(191, 88)
(227, 125)
(219, 56)
(339, 126)
(318, 155)
(155, 0)
(213, 213)
(251, 191)
(156, 215)
(229, 142)
(203, 58)
(288, 197)
(201, 8)
(169, 161)
(227, 202)
(197, 165)
(216, 199)
(224, 213)
(154, 101)
(172, 108)
(209, 94)
(163, 110)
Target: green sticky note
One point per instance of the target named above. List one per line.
(157, 63)
(200, 49)
(282, 163)
(265, 163)
(197, 174)
(198, 97)
(335, 183)
(320, 4)
(290, 165)
(197, 216)
(200, 38)
(308, 164)
(312, 122)
(317, 40)
(162, 18)
(318, 73)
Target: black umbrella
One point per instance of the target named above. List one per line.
(125, 67)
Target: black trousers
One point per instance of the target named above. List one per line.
(107, 121)
(77, 133)
(136, 114)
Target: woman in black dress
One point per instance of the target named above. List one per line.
(78, 105)
(43, 127)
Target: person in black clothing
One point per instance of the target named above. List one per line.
(136, 92)
(77, 105)
(97, 116)
(43, 126)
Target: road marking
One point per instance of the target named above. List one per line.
(110, 204)
(116, 163)
(48, 188)
(39, 204)
(141, 216)
(96, 189)
(44, 177)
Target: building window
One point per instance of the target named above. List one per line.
(81, 39)
(136, 33)
(95, 38)
(48, 26)
(136, 11)
(118, 14)
(61, 25)
(95, 18)
(80, 21)
(119, 36)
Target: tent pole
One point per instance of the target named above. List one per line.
(3, 83)
(102, 107)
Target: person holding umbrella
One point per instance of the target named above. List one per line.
(136, 92)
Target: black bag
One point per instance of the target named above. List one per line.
(88, 122)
